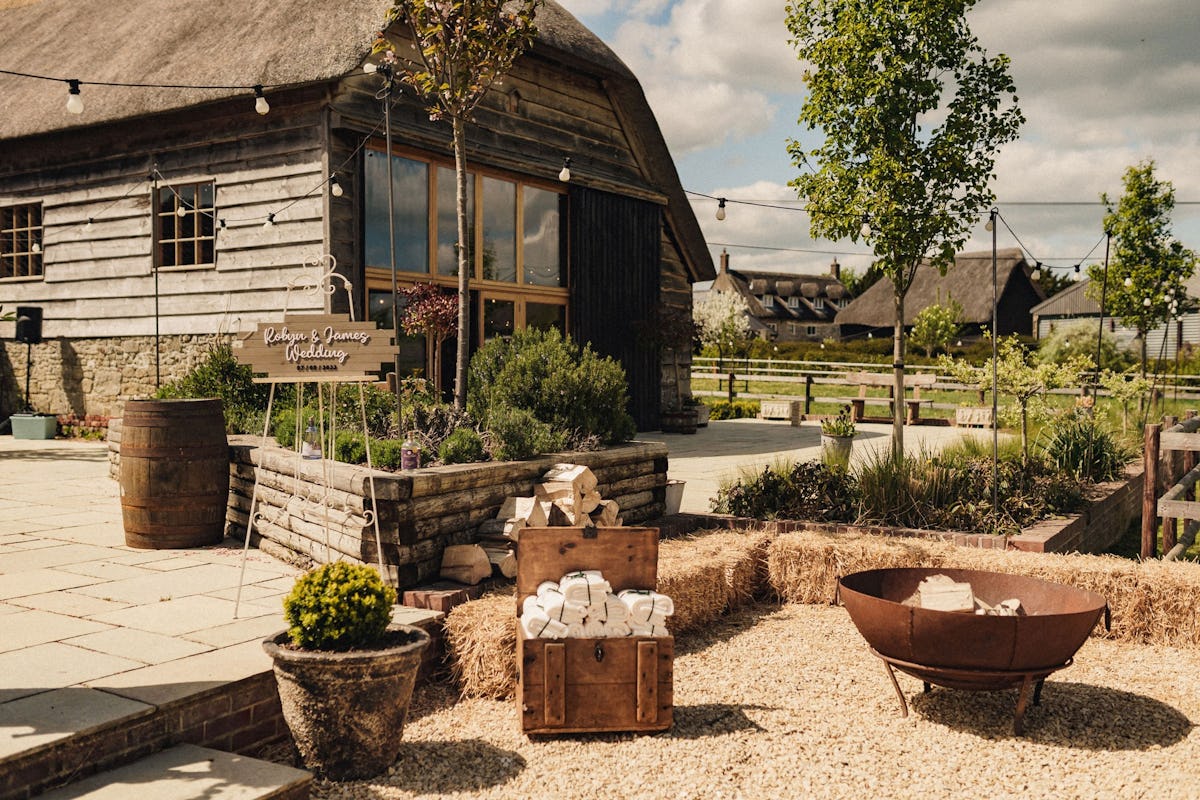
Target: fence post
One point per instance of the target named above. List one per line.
(1150, 492)
(1170, 476)
(808, 383)
(732, 393)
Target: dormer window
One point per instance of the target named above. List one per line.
(818, 303)
(793, 302)
(768, 301)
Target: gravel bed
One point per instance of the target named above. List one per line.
(786, 702)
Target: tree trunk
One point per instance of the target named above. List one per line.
(1142, 349)
(898, 386)
(460, 174)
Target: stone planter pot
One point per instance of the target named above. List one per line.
(702, 411)
(346, 710)
(836, 449)
(678, 421)
(34, 426)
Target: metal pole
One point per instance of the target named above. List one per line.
(28, 369)
(995, 357)
(391, 206)
(154, 266)
(1100, 333)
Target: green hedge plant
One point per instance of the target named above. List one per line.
(338, 607)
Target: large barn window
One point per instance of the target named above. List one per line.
(21, 240)
(185, 230)
(515, 244)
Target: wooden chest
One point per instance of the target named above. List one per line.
(592, 685)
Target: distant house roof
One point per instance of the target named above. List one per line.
(968, 282)
(248, 42)
(803, 289)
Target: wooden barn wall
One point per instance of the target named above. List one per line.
(101, 283)
(615, 263)
(1013, 309)
(675, 292)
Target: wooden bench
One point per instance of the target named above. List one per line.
(880, 380)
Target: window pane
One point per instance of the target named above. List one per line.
(412, 348)
(499, 230)
(447, 221)
(498, 318)
(544, 316)
(206, 195)
(411, 200)
(166, 201)
(541, 237)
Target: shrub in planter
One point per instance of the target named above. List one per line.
(738, 409)
(1079, 446)
(572, 389)
(515, 433)
(464, 446)
(345, 674)
(219, 374)
(804, 490)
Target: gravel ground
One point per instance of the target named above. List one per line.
(786, 702)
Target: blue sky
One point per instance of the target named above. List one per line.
(1103, 84)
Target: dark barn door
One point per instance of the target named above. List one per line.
(615, 261)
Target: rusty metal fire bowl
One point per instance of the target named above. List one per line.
(967, 651)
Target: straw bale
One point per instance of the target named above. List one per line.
(481, 646)
(742, 554)
(804, 567)
(697, 587)
(1152, 602)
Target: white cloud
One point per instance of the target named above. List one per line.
(695, 116)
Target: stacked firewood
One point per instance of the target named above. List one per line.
(566, 497)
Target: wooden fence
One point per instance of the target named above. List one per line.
(1170, 454)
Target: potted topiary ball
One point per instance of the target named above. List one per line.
(345, 671)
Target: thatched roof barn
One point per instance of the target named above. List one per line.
(968, 282)
(96, 191)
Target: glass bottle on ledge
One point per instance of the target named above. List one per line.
(310, 445)
(410, 454)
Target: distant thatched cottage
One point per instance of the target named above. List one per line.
(161, 218)
(968, 282)
(787, 307)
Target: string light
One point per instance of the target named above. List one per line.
(88, 228)
(864, 230)
(1128, 283)
(564, 174)
(1037, 270)
(1146, 302)
(335, 188)
(74, 98)
(1076, 268)
(181, 211)
(260, 100)
(720, 209)
(270, 223)
(35, 247)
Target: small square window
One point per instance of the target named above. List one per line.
(768, 301)
(186, 233)
(21, 241)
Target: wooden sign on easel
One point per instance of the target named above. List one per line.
(315, 347)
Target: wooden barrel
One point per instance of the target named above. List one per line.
(174, 473)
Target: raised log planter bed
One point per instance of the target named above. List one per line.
(420, 511)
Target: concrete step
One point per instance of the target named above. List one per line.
(185, 772)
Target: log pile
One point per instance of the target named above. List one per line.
(567, 496)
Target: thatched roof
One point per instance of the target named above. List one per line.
(268, 42)
(752, 285)
(969, 282)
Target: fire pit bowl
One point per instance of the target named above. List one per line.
(968, 651)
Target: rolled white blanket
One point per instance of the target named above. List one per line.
(555, 605)
(593, 628)
(611, 609)
(584, 587)
(539, 626)
(576, 630)
(614, 630)
(637, 629)
(647, 607)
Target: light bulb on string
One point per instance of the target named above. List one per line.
(989, 226)
(335, 188)
(1076, 269)
(182, 210)
(564, 174)
(1129, 283)
(270, 223)
(88, 228)
(370, 68)
(1037, 270)
(221, 222)
(260, 100)
(1146, 302)
(864, 230)
(720, 208)
(74, 98)
(35, 247)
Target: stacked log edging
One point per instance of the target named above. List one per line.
(420, 511)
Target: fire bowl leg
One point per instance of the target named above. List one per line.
(896, 685)
(1037, 691)
(1022, 703)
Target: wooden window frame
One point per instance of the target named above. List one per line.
(12, 225)
(197, 240)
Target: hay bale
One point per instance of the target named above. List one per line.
(742, 554)
(697, 587)
(1152, 602)
(481, 646)
(804, 567)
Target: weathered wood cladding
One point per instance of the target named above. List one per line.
(419, 512)
(615, 261)
(101, 282)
